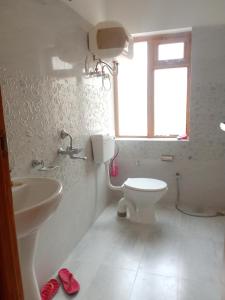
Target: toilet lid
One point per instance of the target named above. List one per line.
(145, 184)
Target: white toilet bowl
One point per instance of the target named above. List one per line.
(140, 196)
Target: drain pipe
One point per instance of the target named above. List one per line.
(199, 215)
(124, 206)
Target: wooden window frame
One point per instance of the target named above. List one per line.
(153, 64)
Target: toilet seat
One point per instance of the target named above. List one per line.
(145, 184)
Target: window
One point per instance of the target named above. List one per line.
(152, 90)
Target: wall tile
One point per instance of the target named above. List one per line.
(42, 54)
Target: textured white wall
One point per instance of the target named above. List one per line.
(39, 101)
(92, 11)
(151, 15)
(201, 161)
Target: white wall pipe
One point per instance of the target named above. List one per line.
(110, 185)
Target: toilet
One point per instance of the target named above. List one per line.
(139, 194)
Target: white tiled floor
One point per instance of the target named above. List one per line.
(180, 258)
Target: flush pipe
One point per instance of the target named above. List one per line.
(123, 203)
(110, 185)
(199, 215)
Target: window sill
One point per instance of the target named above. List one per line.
(151, 139)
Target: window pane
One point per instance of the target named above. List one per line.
(170, 99)
(171, 51)
(132, 93)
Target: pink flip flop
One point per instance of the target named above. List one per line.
(49, 290)
(70, 284)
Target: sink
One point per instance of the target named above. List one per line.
(34, 201)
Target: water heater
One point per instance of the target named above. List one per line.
(103, 147)
(109, 39)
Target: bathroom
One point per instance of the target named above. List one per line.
(43, 47)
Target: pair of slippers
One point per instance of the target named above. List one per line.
(70, 284)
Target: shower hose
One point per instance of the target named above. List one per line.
(192, 214)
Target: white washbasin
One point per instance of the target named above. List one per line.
(34, 201)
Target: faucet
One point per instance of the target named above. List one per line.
(70, 151)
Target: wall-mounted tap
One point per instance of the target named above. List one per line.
(70, 150)
(40, 165)
(64, 134)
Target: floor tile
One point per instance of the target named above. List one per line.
(212, 228)
(199, 290)
(111, 284)
(129, 248)
(178, 258)
(200, 259)
(161, 254)
(154, 287)
(84, 272)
